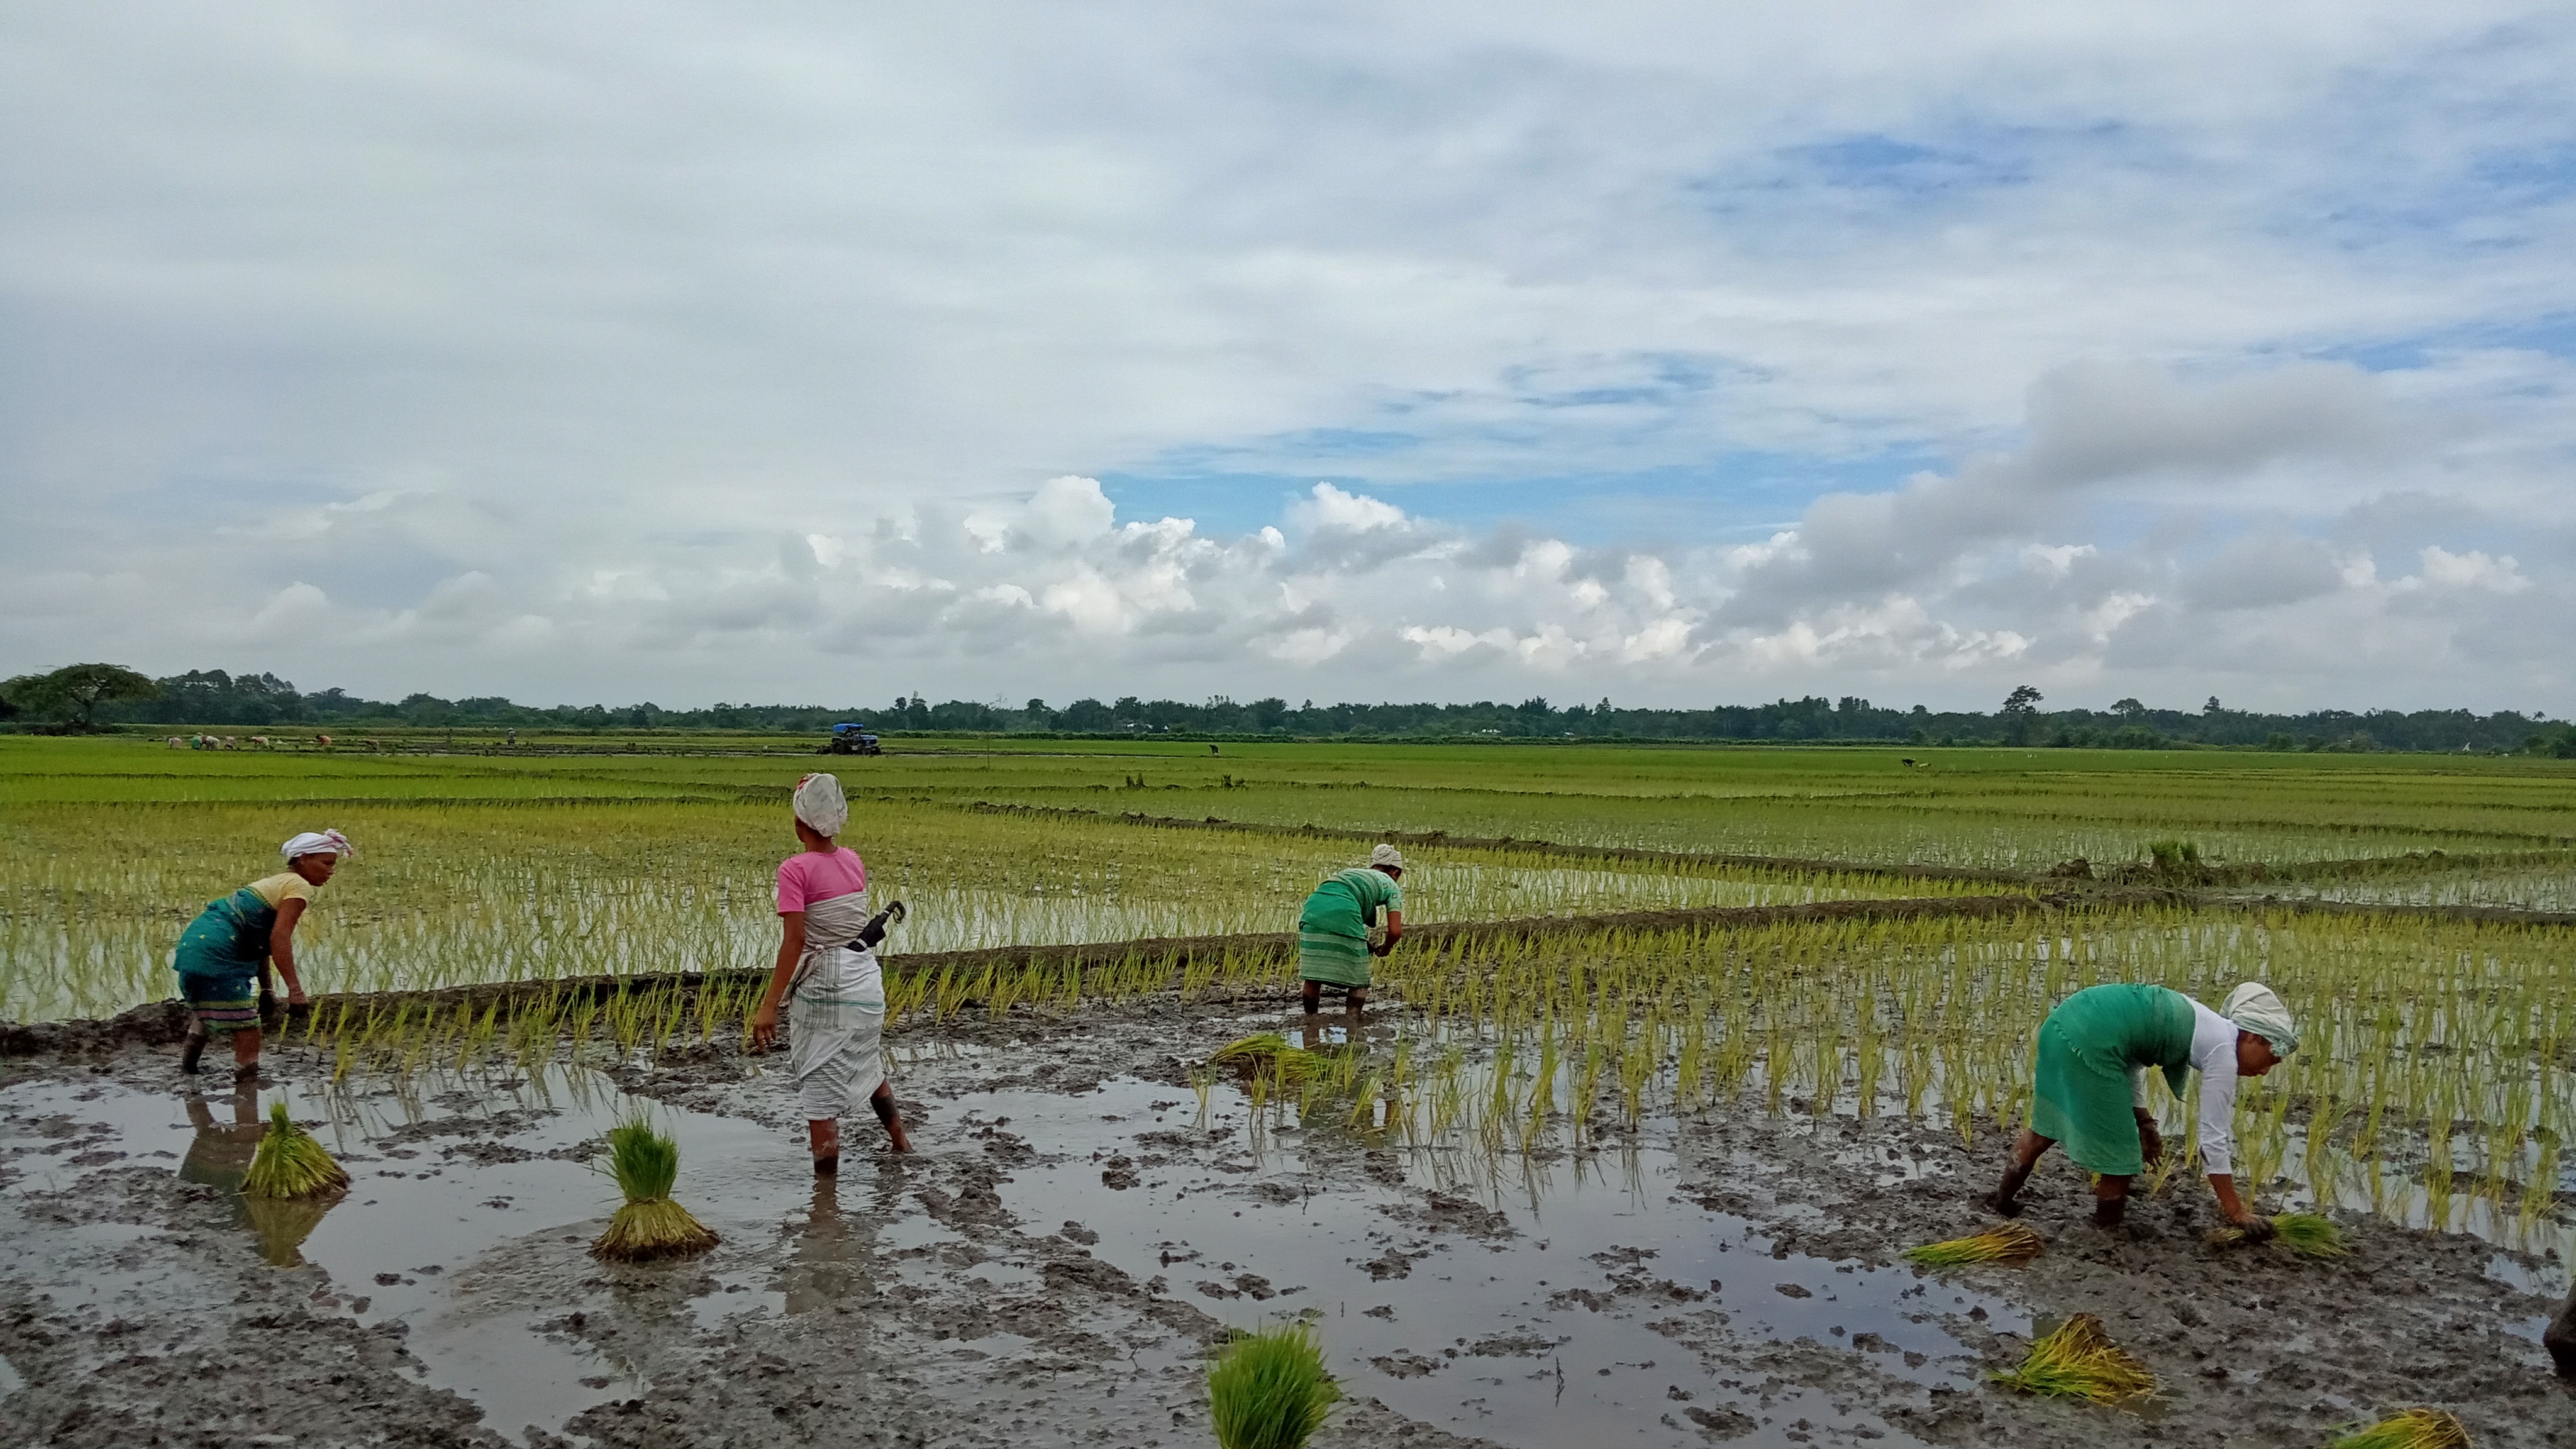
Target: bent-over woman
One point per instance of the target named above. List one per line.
(224, 956)
(1333, 929)
(2089, 1086)
(834, 1035)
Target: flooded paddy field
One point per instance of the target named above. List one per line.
(1089, 1212)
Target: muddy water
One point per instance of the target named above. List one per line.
(1558, 1310)
(1074, 1235)
(476, 1252)
(1534, 1316)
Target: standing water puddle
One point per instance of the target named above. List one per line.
(1583, 1306)
(1582, 1303)
(469, 1218)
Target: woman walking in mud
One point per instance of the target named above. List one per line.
(826, 964)
(1333, 930)
(227, 951)
(2089, 1088)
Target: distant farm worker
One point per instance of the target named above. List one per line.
(1333, 930)
(225, 954)
(2089, 1086)
(826, 965)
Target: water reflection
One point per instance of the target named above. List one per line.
(832, 1258)
(219, 1155)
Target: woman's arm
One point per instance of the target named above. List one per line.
(281, 947)
(1394, 933)
(2217, 1145)
(791, 948)
(2255, 1224)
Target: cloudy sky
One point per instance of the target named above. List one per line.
(1681, 354)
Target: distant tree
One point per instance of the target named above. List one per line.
(73, 693)
(429, 710)
(1085, 714)
(2021, 714)
(2130, 709)
(2213, 707)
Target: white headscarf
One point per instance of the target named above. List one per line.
(820, 805)
(317, 842)
(1386, 855)
(2254, 1007)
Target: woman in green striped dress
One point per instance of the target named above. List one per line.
(1333, 930)
(2089, 1086)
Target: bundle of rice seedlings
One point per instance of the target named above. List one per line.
(2010, 1243)
(1270, 1390)
(2079, 1360)
(650, 1225)
(2414, 1429)
(1266, 1051)
(289, 1163)
(2310, 1235)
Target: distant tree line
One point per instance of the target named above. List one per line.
(84, 696)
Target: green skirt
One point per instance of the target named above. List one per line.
(1332, 959)
(2080, 1070)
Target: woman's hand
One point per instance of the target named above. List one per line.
(2151, 1143)
(764, 1026)
(2256, 1227)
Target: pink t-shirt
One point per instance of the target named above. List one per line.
(805, 878)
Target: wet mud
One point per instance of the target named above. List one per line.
(1075, 1234)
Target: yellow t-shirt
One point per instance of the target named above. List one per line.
(286, 886)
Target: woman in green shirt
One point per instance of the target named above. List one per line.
(1333, 930)
(225, 956)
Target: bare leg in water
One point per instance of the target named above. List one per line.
(2006, 1198)
(2110, 1193)
(2110, 1200)
(1353, 998)
(824, 1133)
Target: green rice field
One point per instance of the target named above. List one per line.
(2436, 1090)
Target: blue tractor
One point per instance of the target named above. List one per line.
(852, 739)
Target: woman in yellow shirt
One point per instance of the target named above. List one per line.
(233, 941)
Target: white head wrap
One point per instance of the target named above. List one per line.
(1387, 855)
(317, 842)
(2254, 1007)
(820, 805)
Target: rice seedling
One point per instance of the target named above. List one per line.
(1266, 1053)
(290, 1164)
(2309, 1235)
(2413, 1429)
(1270, 1389)
(2079, 1360)
(2007, 1243)
(648, 1224)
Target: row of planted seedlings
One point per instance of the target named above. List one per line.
(441, 896)
(2430, 1089)
(644, 1017)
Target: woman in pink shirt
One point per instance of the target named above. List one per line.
(826, 964)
